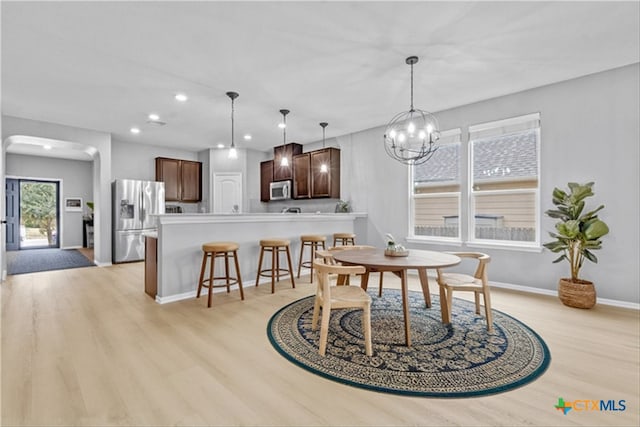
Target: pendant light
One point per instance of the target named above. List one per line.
(411, 135)
(323, 167)
(233, 153)
(284, 161)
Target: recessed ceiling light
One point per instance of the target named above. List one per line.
(154, 117)
(134, 130)
(47, 147)
(181, 97)
(220, 145)
(247, 137)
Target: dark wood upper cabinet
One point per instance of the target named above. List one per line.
(282, 172)
(325, 184)
(301, 176)
(182, 179)
(191, 181)
(168, 171)
(266, 177)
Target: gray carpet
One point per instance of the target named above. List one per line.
(33, 260)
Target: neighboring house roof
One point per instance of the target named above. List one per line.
(502, 157)
(443, 166)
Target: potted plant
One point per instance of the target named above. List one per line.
(90, 205)
(577, 236)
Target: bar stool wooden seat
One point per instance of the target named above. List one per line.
(211, 251)
(276, 246)
(344, 238)
(315, 242)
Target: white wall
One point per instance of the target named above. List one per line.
(101, 142)
(590, 132)
(76, 178)
(138, 161)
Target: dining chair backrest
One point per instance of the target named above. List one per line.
(329, 297)
(478, 284)
(323, 271)
(481, 267)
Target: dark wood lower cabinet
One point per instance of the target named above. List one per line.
(151, 266)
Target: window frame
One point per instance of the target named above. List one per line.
(471, 238)
(456, 136)
(466, 195)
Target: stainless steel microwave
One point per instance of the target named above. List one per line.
(280, 190)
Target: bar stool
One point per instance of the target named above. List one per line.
(344, 239)
(313, 241)
(211, 251)
(276, 247)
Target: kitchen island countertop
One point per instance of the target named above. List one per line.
(181, 236)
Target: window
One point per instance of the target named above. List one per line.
(504, 181)
(435, 192)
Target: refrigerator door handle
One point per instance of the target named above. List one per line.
(141, 206)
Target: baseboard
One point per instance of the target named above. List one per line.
(192, 294)
(102, 264)
(554, 293)
(550, 292)
(510, 286)
(71, 247)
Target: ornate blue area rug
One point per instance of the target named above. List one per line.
(462, 359)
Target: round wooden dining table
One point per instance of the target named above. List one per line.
(376, 260)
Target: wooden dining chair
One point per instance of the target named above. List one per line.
(329, 297)
(478, 284)
(327, 255)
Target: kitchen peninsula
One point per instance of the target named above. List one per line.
(180, 239)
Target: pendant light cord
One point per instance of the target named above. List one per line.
(233, 144)
(322, 136)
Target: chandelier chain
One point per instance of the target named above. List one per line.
(411, 109)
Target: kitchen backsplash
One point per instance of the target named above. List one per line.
(306, 206)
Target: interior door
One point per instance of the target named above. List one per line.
(227, 192)
(13, 213)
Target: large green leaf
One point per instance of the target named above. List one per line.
(580, 192)
(560, 259)
(569, 229)
(559, 196)
(591, 257)
(556, 213)
(595, 230)
(555, 246)
(592, 214)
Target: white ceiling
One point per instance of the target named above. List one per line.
(106, 65)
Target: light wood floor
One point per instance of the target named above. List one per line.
(89, 347)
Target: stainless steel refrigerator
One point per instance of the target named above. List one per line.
(134, 204)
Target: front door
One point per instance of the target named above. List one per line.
(39, 214)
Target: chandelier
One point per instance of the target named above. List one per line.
(410, 136)
(233, 153)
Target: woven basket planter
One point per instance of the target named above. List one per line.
(581, 294)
